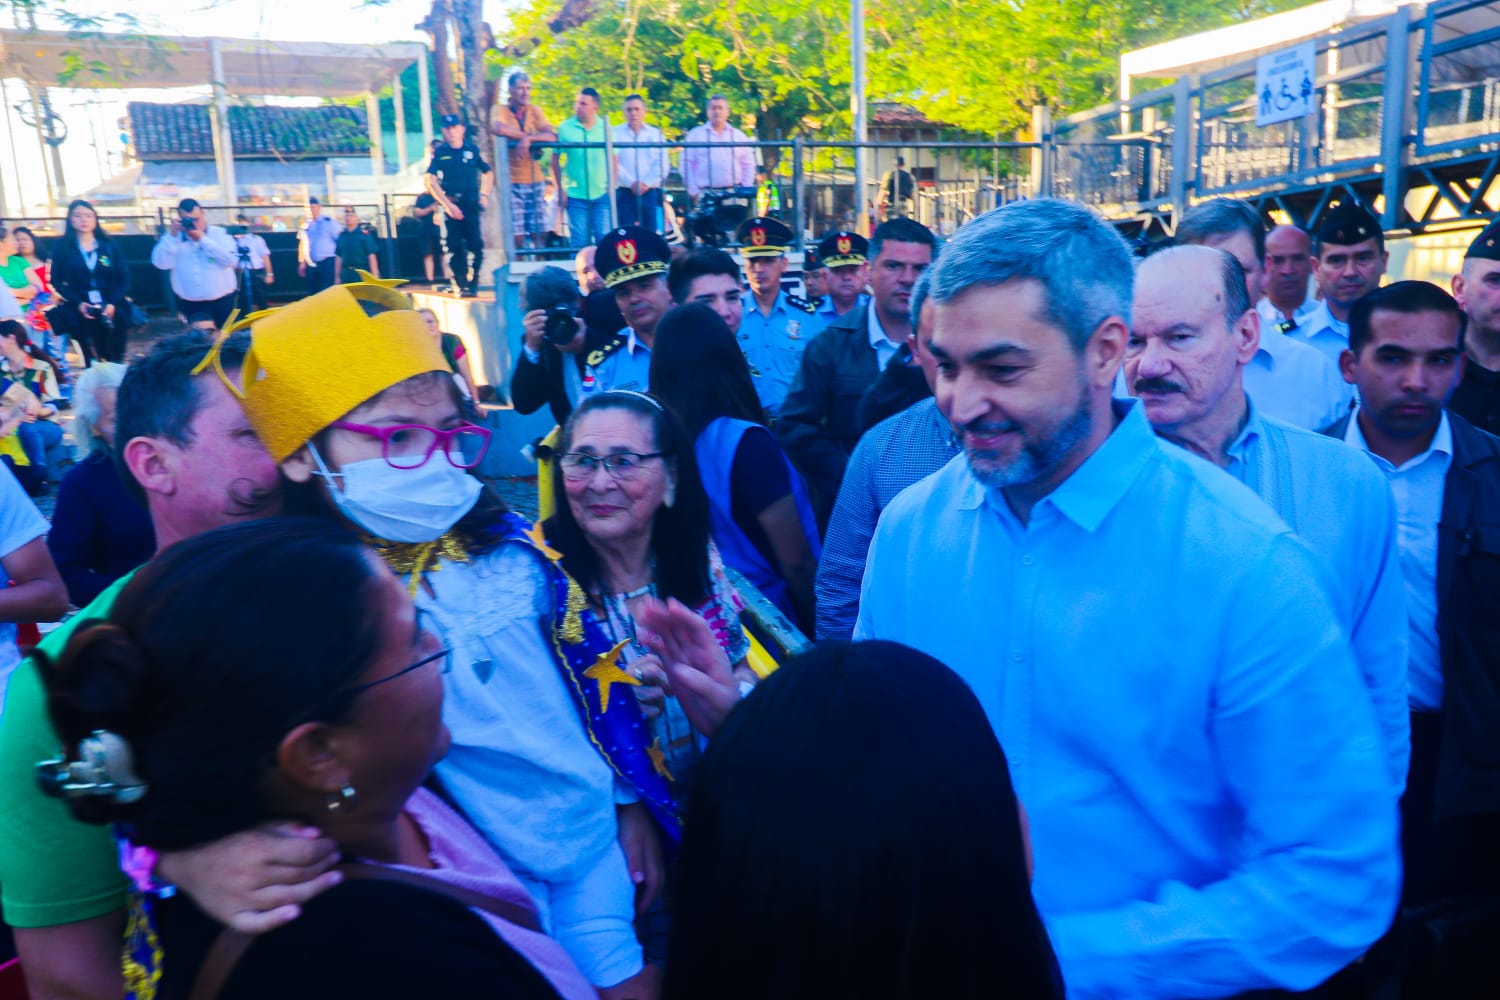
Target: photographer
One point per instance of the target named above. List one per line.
(202, 260)
(92, 283)
(560, 329)
(251, 250)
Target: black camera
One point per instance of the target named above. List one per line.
(562, 325)
(96, 313)
(187, 223)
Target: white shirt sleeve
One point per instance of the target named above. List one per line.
(164, 254)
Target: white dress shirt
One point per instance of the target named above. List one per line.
(202, 270)
(1295, 382)
(1418, 488)
(731, 166)
(649, 166)
(1269, 312)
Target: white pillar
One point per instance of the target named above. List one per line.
(377, 155)
(426, 102)
(857, 106)
(225, 143)
(397, 101)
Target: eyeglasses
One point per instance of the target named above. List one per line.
(445, 655)
(623, 466)
(409, 446)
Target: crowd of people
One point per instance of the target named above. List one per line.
(1153, 594)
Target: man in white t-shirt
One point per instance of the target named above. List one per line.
(36, 592)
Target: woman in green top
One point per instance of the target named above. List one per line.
(454, 352)
(15, 271)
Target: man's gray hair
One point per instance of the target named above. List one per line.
(716, 97)
(1222, 217)
(86, 406)
(517, 77)
(919, 293)
(1084, 267)
(551, 286)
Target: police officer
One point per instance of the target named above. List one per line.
(846, 255)
(633, 263)
(777, 325)
(461, 181)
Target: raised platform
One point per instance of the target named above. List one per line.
(490, 326)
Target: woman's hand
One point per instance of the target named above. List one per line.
(698, 672)
(642, 847)
(654, 687)
(255, 881)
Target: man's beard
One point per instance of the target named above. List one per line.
(1036, 459)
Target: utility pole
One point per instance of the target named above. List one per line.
(859, 108)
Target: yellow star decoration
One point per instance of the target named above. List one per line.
(607, 671)
(659, 759)
(367, 278)
(539, 539)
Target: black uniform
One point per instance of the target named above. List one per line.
(1477, 398)
(458, 171)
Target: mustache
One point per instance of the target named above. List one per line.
(1156, 385)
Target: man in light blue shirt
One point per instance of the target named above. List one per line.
(1191, 331)
(1350, 261)
(776, 325)
(633, 263)
(1289, 380)
(1210, 811)
(891, 456)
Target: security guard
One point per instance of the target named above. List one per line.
(632, 261)
(846, 255)
(461, 181)
(777, 324)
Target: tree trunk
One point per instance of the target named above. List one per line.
(436, 26)
(479, 100)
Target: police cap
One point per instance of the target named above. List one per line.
(630, 252)
(841, 248)
(763, 237)
(1486, 245)
(448, 121)
(1347, 225)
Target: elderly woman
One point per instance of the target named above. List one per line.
(635, 527)
(762, 518)
(549, 757)
(276, 670)
(100, 530)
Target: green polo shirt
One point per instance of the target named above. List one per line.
(585, 172)
(53, 869)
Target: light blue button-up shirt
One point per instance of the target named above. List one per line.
(773, 346)
(321, 235)
(1209, 806)
(1323, 331)
(1418, 486)
(828, 313)
(627, 367)
(1340, 505)
(1293, 381)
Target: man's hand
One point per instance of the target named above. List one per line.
(523, 145)
(109, 312)
(270, 278)
(534, 325)
(255, 881)
(642, 847)
(176, 228)
(454, 212)
(698, 672)
(638, 189)
(195, 234)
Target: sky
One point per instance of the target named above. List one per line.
(93, 149)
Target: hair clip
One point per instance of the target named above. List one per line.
(105, 769)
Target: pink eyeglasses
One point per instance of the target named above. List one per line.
(409, 446)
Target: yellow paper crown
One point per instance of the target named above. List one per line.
(313, 361)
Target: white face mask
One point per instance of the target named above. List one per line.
(402, 505)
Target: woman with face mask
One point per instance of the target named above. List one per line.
(550, 752)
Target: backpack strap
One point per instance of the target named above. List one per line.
(230, 946)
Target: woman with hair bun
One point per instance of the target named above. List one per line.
(277, 670)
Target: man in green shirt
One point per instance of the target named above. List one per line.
(583, 175)
(190, 450)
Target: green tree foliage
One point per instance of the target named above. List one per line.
(785, 63)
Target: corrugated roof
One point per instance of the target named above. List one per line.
(891, 113)
(183, 131)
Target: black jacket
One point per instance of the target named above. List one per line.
(901, 385)
(819, 421)
(1468, 592)
(534, 385)
(72, 279)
